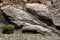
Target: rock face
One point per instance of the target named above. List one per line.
(21, 17)
(37, 15)
(18, 16)
(41, 10)
(32, 16)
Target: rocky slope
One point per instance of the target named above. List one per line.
(38, 15)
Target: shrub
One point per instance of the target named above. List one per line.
(8, 29)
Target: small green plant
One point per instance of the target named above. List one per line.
(8, 29)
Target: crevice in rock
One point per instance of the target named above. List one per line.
(44, 19)
(51, 2)
(30, 31)
(57, 27)
(39, 2)
(1, 1)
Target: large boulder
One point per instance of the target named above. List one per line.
(41, 10)
(31, 28)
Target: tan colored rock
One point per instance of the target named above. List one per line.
(19, 16)
(36, 27)
(39, 8)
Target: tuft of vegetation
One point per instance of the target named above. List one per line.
(8, 29)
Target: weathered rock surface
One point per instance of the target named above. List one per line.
(55, 13)
(21, 17)
(41, 10)
(34, 15)
(37, 28)
(18, 16)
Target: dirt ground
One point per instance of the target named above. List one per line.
(26, 36)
